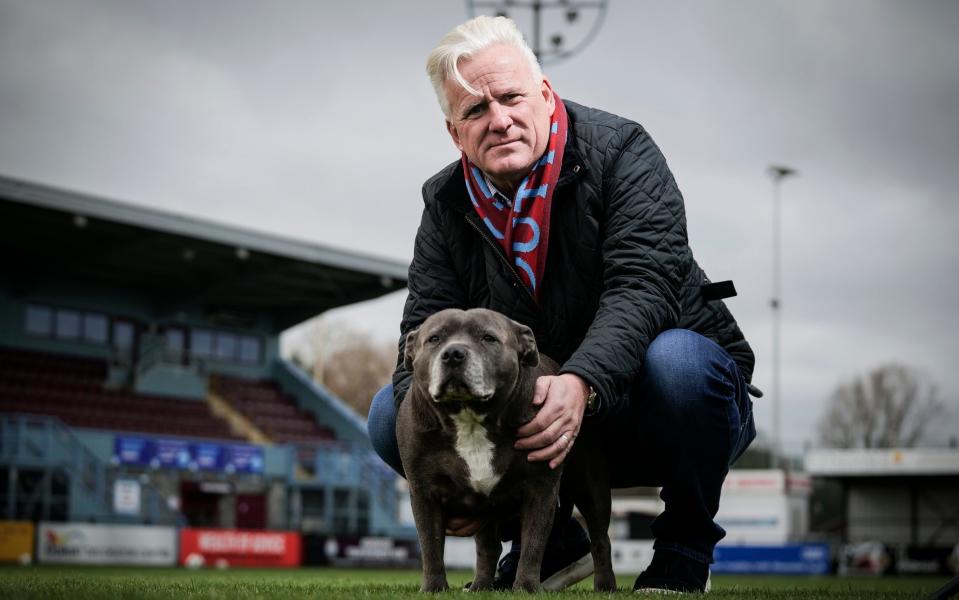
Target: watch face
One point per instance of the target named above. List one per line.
(591, 399)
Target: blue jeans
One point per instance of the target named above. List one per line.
(689, 417)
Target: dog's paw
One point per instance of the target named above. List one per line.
(479, 586)
(604, 585)
(528, 584)
(435, 585)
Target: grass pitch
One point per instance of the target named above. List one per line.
(23, 583)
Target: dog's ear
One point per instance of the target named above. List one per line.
(409, 349)
(528, 354)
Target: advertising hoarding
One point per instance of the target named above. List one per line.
(239, 548)
(160, 453)
(786, 559)
(76, 544)
(16, 541)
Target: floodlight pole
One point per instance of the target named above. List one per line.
(572, 11)
(778, 173)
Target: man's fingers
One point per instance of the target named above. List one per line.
(464, 531)
(555, 452)
(462, 527)
(542, 439)
(541, 389)
(543, 419)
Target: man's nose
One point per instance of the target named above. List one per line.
(500, 120)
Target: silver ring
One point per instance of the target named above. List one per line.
(565, 438)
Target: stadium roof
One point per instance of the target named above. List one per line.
(53, 235)
(883, 463)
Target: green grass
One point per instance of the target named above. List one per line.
(78, 583)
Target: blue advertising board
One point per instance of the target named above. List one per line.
(244, 459)
(798, 559)
(170, 454)
(163, 453)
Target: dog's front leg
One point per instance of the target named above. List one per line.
(429, 528)
(488, 548)
(537, 516)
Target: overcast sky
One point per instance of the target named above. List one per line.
(315, 120)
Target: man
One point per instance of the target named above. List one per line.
(567, 219)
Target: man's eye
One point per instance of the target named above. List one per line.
(432, 339)
(489, 339)
(474, 110)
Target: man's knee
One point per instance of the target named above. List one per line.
(676, 359)
(685, 374)
(381, 421)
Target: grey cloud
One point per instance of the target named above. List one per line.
(315, 120)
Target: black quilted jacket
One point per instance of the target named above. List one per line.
(619, 269)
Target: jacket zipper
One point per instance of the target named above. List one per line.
(498, 250)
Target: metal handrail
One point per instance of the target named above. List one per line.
(85, 469)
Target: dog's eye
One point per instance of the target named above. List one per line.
(433, 339)
(489, 339)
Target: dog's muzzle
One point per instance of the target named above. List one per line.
(456, 375)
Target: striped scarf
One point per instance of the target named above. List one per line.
(523, 229)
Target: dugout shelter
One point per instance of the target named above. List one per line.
(897, 509)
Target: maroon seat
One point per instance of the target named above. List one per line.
(271, 410)
(72, 389)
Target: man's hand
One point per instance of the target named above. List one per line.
(553, 431)
(462, 526)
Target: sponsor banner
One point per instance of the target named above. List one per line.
(239, 548)
(787, 559)
(180, 454)
(16, 541)
(353, 551)
(926, 560)
(245, 458)
(170, 454)
(67, 543)
(209, 457)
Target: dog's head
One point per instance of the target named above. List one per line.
(470, 355)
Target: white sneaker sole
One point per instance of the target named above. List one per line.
(574, 573)
(708, 586)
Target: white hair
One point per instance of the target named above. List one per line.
(464, 42)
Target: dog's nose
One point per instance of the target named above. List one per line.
(453, 355)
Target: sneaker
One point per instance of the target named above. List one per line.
(671, 572)
(566, 561)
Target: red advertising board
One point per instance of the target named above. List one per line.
(239, 548)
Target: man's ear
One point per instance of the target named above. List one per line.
(528, 354)
(546, 88)
(455, 135)
(409, 349)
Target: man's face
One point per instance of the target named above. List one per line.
(506, 129)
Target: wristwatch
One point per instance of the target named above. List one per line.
(592, 402)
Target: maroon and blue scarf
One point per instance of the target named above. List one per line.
(523, 229)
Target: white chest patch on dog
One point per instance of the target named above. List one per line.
(476, 450)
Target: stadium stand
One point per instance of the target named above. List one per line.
(140, 350)
(272, 411)
(72, 388)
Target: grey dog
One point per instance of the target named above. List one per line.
(474, 374)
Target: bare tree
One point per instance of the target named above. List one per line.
(350, 363)
(889, 407)
(356, 370)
